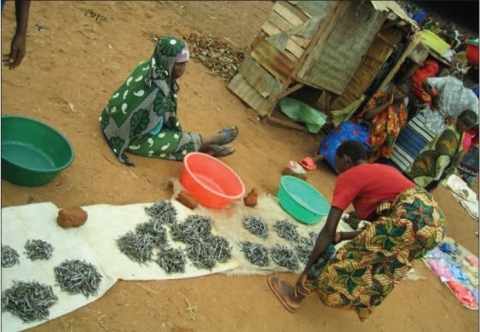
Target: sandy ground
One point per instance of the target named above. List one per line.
(73, 65)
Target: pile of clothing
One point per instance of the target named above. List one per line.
(458, 270)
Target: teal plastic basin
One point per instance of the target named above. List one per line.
(33, 153)
(301, 200)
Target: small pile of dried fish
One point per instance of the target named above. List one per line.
(285, 257)
(9, 256)
(201, 255)
(192, 230)
(38, 249)
(137, 247)
(286, 230)
(219, 247)
(171, 260)
(255, 253)
(77, 277)
(257, 226)
(305, 247)
(163, 212)
(155, 229)
(28, 300)
(222, 60)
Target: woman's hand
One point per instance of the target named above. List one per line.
(391, 96)
(338, 238)
(301, 287)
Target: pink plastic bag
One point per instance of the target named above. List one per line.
(472, 260)
(462, 293)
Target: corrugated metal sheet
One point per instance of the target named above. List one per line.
(332, 65)
(248, 94)
(273, 60)
(394, 7)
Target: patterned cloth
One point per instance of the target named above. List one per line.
(377, 139)
(439, 159)
(385, 126)
(365, 270)
(141, 115)
(348, 130)
(453, 99)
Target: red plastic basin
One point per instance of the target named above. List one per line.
(213, 183)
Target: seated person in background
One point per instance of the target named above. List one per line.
(442, 156)
(376, 127)
(406, 223)
(141, 116)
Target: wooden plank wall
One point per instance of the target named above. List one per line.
(265, 74)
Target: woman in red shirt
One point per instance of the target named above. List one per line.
(406, 223)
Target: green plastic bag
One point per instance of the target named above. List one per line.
(301, 112)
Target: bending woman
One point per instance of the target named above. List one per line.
(376, 127)
(141, 116)
(442, 156)
(406, 223)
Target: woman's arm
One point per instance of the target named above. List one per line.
(371, 113)
(348, 235)
(325, 238)
(18, 44)
(428, 89)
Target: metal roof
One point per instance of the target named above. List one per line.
(394, 8)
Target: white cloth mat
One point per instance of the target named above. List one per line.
(463, 194)
(38, 221)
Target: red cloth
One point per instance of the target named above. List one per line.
(429, 69)
(368, 185)
(470, 140)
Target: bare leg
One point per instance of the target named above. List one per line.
(318, 158)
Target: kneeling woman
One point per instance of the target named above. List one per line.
(376, 127)
(406, 223)
(141, 116)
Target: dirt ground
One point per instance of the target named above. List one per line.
(75, 61)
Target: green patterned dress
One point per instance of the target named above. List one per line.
(141, 116)
(439, 159)
(365, 270)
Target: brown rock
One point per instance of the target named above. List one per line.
(252, 198)
(72, 217)
(187, 200)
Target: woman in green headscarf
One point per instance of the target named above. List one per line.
(141, 116)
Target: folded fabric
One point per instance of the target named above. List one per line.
(436, 254)
(474, 292)
(440, 269)
(472, 260)
(458, 274)
(462, 293)
(445, 247)
(471, 272)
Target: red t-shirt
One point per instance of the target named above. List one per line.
(366, 186)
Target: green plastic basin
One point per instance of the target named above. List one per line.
(33, 153)
(301, 200)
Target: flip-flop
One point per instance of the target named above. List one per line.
(222, 151)
(308, 163)
(273, 287)
(231, 134)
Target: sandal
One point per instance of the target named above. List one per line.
(220, 151)
(231, 134)
(308, 163)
